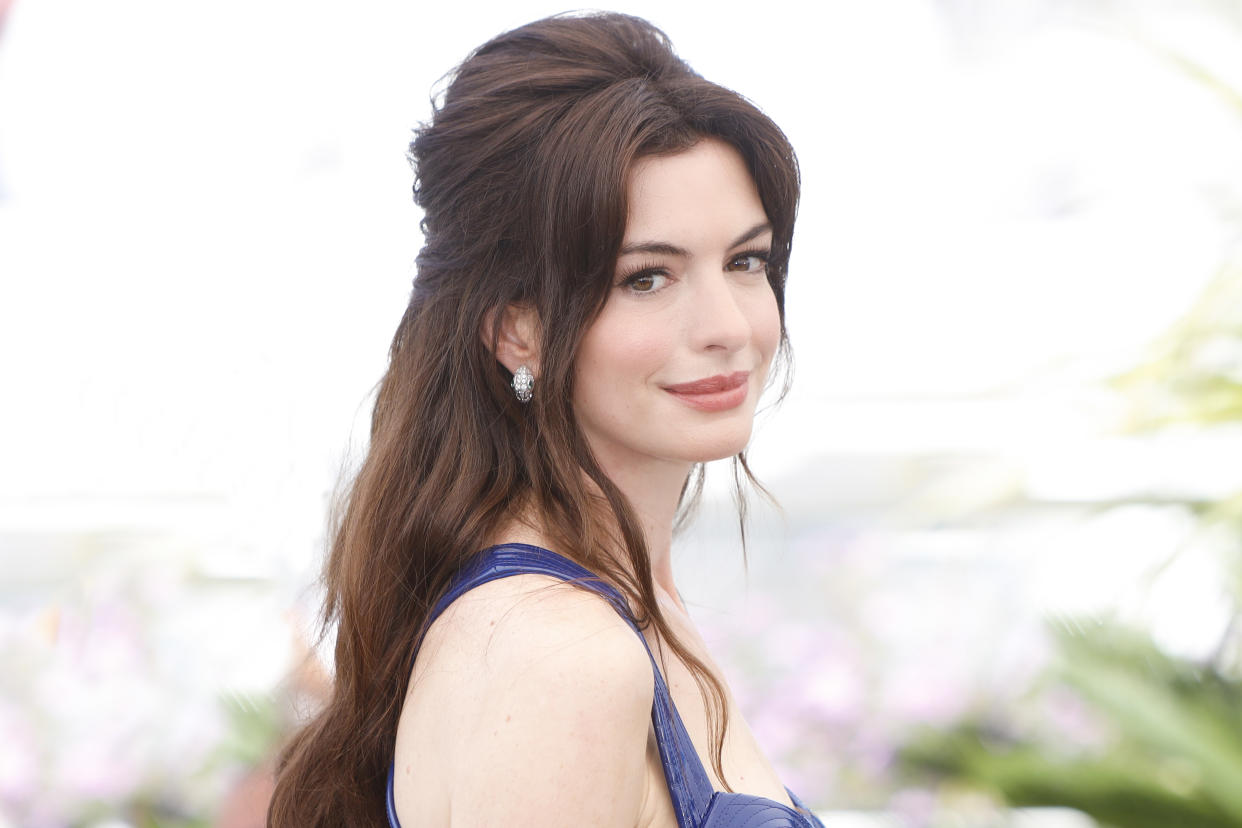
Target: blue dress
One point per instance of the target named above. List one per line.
(696, 803)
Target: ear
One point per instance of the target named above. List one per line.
(515, 331)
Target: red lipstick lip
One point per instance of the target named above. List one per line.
(722, 392)
(711, 385)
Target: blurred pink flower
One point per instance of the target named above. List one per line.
(1065, 719)
(835, 694)
(915, 807)
(18, 756)
(930, 691)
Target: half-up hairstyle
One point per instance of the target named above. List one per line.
(522, 177)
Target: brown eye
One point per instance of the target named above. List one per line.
(646, 281)
(749, 262)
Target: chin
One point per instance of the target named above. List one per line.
(726, 445)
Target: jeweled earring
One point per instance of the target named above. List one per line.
(523, 383)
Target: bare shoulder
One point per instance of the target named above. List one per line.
(529, 704)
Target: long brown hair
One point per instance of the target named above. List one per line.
(522, 177)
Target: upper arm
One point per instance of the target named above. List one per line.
(551, 719)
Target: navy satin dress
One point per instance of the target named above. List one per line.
(696, 803)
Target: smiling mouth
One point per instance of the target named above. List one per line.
(718, 393)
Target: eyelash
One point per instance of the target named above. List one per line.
(762, 255)
(654, 269)
(641, 270)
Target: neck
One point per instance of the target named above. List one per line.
(653, 490)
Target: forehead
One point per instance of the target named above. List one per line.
(702, 195)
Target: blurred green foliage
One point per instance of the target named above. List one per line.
(1171, 751)
(1192, 374)
(256, 727)
(1174, 756)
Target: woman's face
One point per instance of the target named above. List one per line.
(673, 366)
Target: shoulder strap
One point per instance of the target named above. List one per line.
(688, 784)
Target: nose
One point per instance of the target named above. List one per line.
(718, 319)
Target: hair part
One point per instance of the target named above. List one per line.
(522, 176)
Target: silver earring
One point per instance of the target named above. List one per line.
(523, 383)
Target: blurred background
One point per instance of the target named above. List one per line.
(1003, 585)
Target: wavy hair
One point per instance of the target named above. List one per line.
(522, 175)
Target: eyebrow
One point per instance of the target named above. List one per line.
(666, 249)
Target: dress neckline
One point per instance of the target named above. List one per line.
(696, 802)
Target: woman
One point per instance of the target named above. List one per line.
(598, 303)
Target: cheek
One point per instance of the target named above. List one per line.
(620, 348)
(765, 323)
